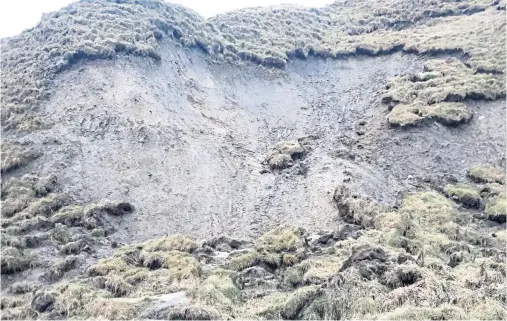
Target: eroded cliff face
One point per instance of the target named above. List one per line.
(370, 174)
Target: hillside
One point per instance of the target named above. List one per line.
(344, 162)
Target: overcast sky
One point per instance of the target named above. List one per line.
(18, 15)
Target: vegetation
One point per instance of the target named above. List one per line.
(15, 155)
(284, 153)
(464, 194)
(102, 29)
(486, 174)
(417, 262)
(427, 259)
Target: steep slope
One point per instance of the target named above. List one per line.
(139, 119)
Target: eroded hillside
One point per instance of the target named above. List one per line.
(346, 162)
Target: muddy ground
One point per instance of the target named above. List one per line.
(184, 139)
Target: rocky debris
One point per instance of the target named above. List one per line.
(347, 231)
(369, 260)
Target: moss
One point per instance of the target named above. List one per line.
(492, 189)
(486, 174)
(71, 299)
(69, 215)
(116, 284)
(267, 307)
(283, 238)
(403, 275)
(301, 297)
(284, 153)
(61, 233)
(422, 224)
(136, 275)
(14, 260)
(244, 260)
(464, 194)
(430, 209)
(293, 276)
(489, 310)
(72, 247)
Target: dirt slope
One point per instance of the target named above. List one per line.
(368, 168)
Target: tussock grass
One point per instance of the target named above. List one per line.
(15, 155)
(217, 290)
(464, 194)
(282, 238)
(486, 174)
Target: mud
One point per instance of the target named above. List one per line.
(184, 139)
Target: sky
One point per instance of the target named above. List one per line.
(18, 15)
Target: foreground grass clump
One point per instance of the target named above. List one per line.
(217, 290)
(451, 114)
(16, 155)
(421, 225)
(496, 208)
(284, 154)
(418, 265)
(486, 174)
(464, 194)
(282, 246)
(14, 260)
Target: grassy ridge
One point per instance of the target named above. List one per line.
(102, 29)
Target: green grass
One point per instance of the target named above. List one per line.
(465, 194)
(486, 174)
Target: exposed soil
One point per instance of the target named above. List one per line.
(184, 139)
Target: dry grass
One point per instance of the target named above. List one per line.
(496, 207)
(282, 238)
(269, 36)
(464, 194)
(486, 174)
(15, 155)
(217, 290)
(284, 154)
(15, 260)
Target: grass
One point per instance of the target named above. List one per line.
(486, 174)
(173, 242)
(465, 194)
(282, 238)
(496, 208)
(14, 155)
(315, 286)
(284, 153)
(319, 270)
(15, 260)
(217, 290)
(268, 36)
(446, 113)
